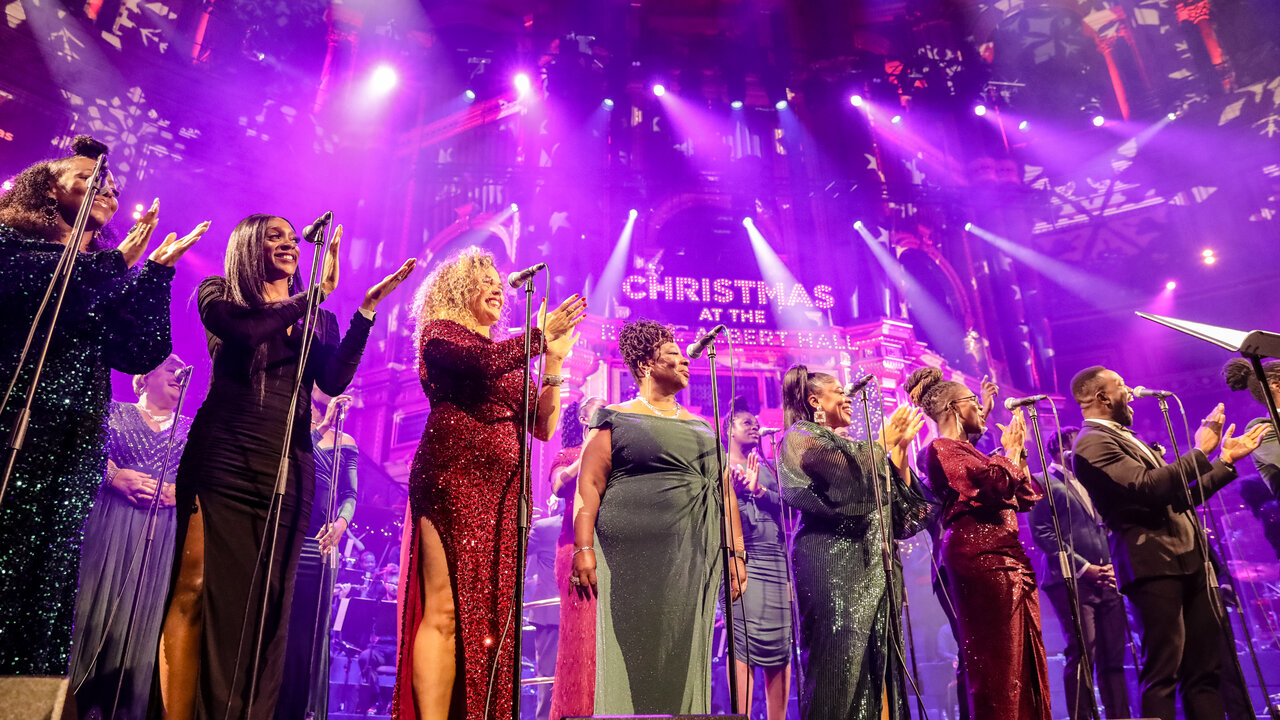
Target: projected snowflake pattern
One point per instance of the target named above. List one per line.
(137, 134)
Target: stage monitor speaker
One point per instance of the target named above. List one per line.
(654, 717)
(32, 698)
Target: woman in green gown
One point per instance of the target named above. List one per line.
(647, 535)
(848, 625)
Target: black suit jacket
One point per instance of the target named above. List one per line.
(1143, 503)
(1085, 538)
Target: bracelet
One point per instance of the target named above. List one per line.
(552, 380)
(585, 547)
(741, 555)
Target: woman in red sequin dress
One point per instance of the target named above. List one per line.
(984, 568)
(456, 619)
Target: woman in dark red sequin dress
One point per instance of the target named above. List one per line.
(985, 570)
(456, 619)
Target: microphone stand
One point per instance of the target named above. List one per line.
(282, 477)
(1211, 577)
(57, 285)
(1068, 576)
(886, 558)
(153, 516)
(523, 509)
(788, 529)
(318, 699)
(726, 536)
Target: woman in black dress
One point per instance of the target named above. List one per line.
(304, 681)
(114, 317)
(253, 318)
(140, 463)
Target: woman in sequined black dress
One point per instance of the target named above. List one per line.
(138, 442)
(114, 317)
(847, 628)
(253, 320)
(983, 565)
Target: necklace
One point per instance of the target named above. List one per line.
(162, 421)
(658, 412)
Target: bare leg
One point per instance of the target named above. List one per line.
(434, 641)
(745, 676)
(777, 690)
(181, 634)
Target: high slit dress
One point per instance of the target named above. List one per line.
(229, 467)
(991, 581)
(465, 481)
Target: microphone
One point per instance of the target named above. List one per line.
(1012, 403)
(859, 385)
(516, 279)
(695, 350)
(314, 230)
(766, 431)
(1143, 392)
(183, 373)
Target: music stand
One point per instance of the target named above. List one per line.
(1253, 346)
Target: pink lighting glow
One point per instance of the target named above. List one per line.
(1099, 121)
(384, 79)
(980, 110)
(659, 89)
(855, 100)
(522, 83)
(1171, 285)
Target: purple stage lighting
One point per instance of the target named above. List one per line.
(607, 104)
(781, 105)
(384, 79)
(7, 186)
(747, 222)
(522, 83)
(1099, 121)
(1172, 116)
(968, 226)
(857, 225)
(897, 119)
(470, 95)
(855, 100)
(633, 214)
(515, 207)
(980, 110)
(1171, 285)
(736, 104)
(659, 89)
(1024, 125)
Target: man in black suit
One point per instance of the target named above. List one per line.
(1102, 615)
(1158, 556)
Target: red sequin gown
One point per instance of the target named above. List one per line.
(574, 692)
(465, 481)
(990, 580)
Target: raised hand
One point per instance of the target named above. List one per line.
(902, 426)
(329, 274)
(380, 291)
(1209, 434)
(1014, 436)
(1234, 448)
(557, 326)
(990, 391)
(751, 475)
(174, 247)
(135, 243)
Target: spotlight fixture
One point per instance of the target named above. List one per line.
(736, 104)
(633, 214)
(897, 120)
(1099, 121)
(980, 110)
(384, 79)
(781, 105)
(659, 89)
(1024, 126)
(522, 83)
(855, 100)
(607, 104)
(139, 208)
(1208, 256)
(968, 226)
(515, 207)
(7, 185)
(1171, 285)
(1172, 116)
(470, 96)
(857, 225)
(747, 222)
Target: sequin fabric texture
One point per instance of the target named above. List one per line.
(839, 576)
(465, 480)
(113, 317)
(990, 580)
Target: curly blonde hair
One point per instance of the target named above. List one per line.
(446, 293)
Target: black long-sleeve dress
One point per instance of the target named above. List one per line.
(313, 587)
(229, 467)
(113, 317)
